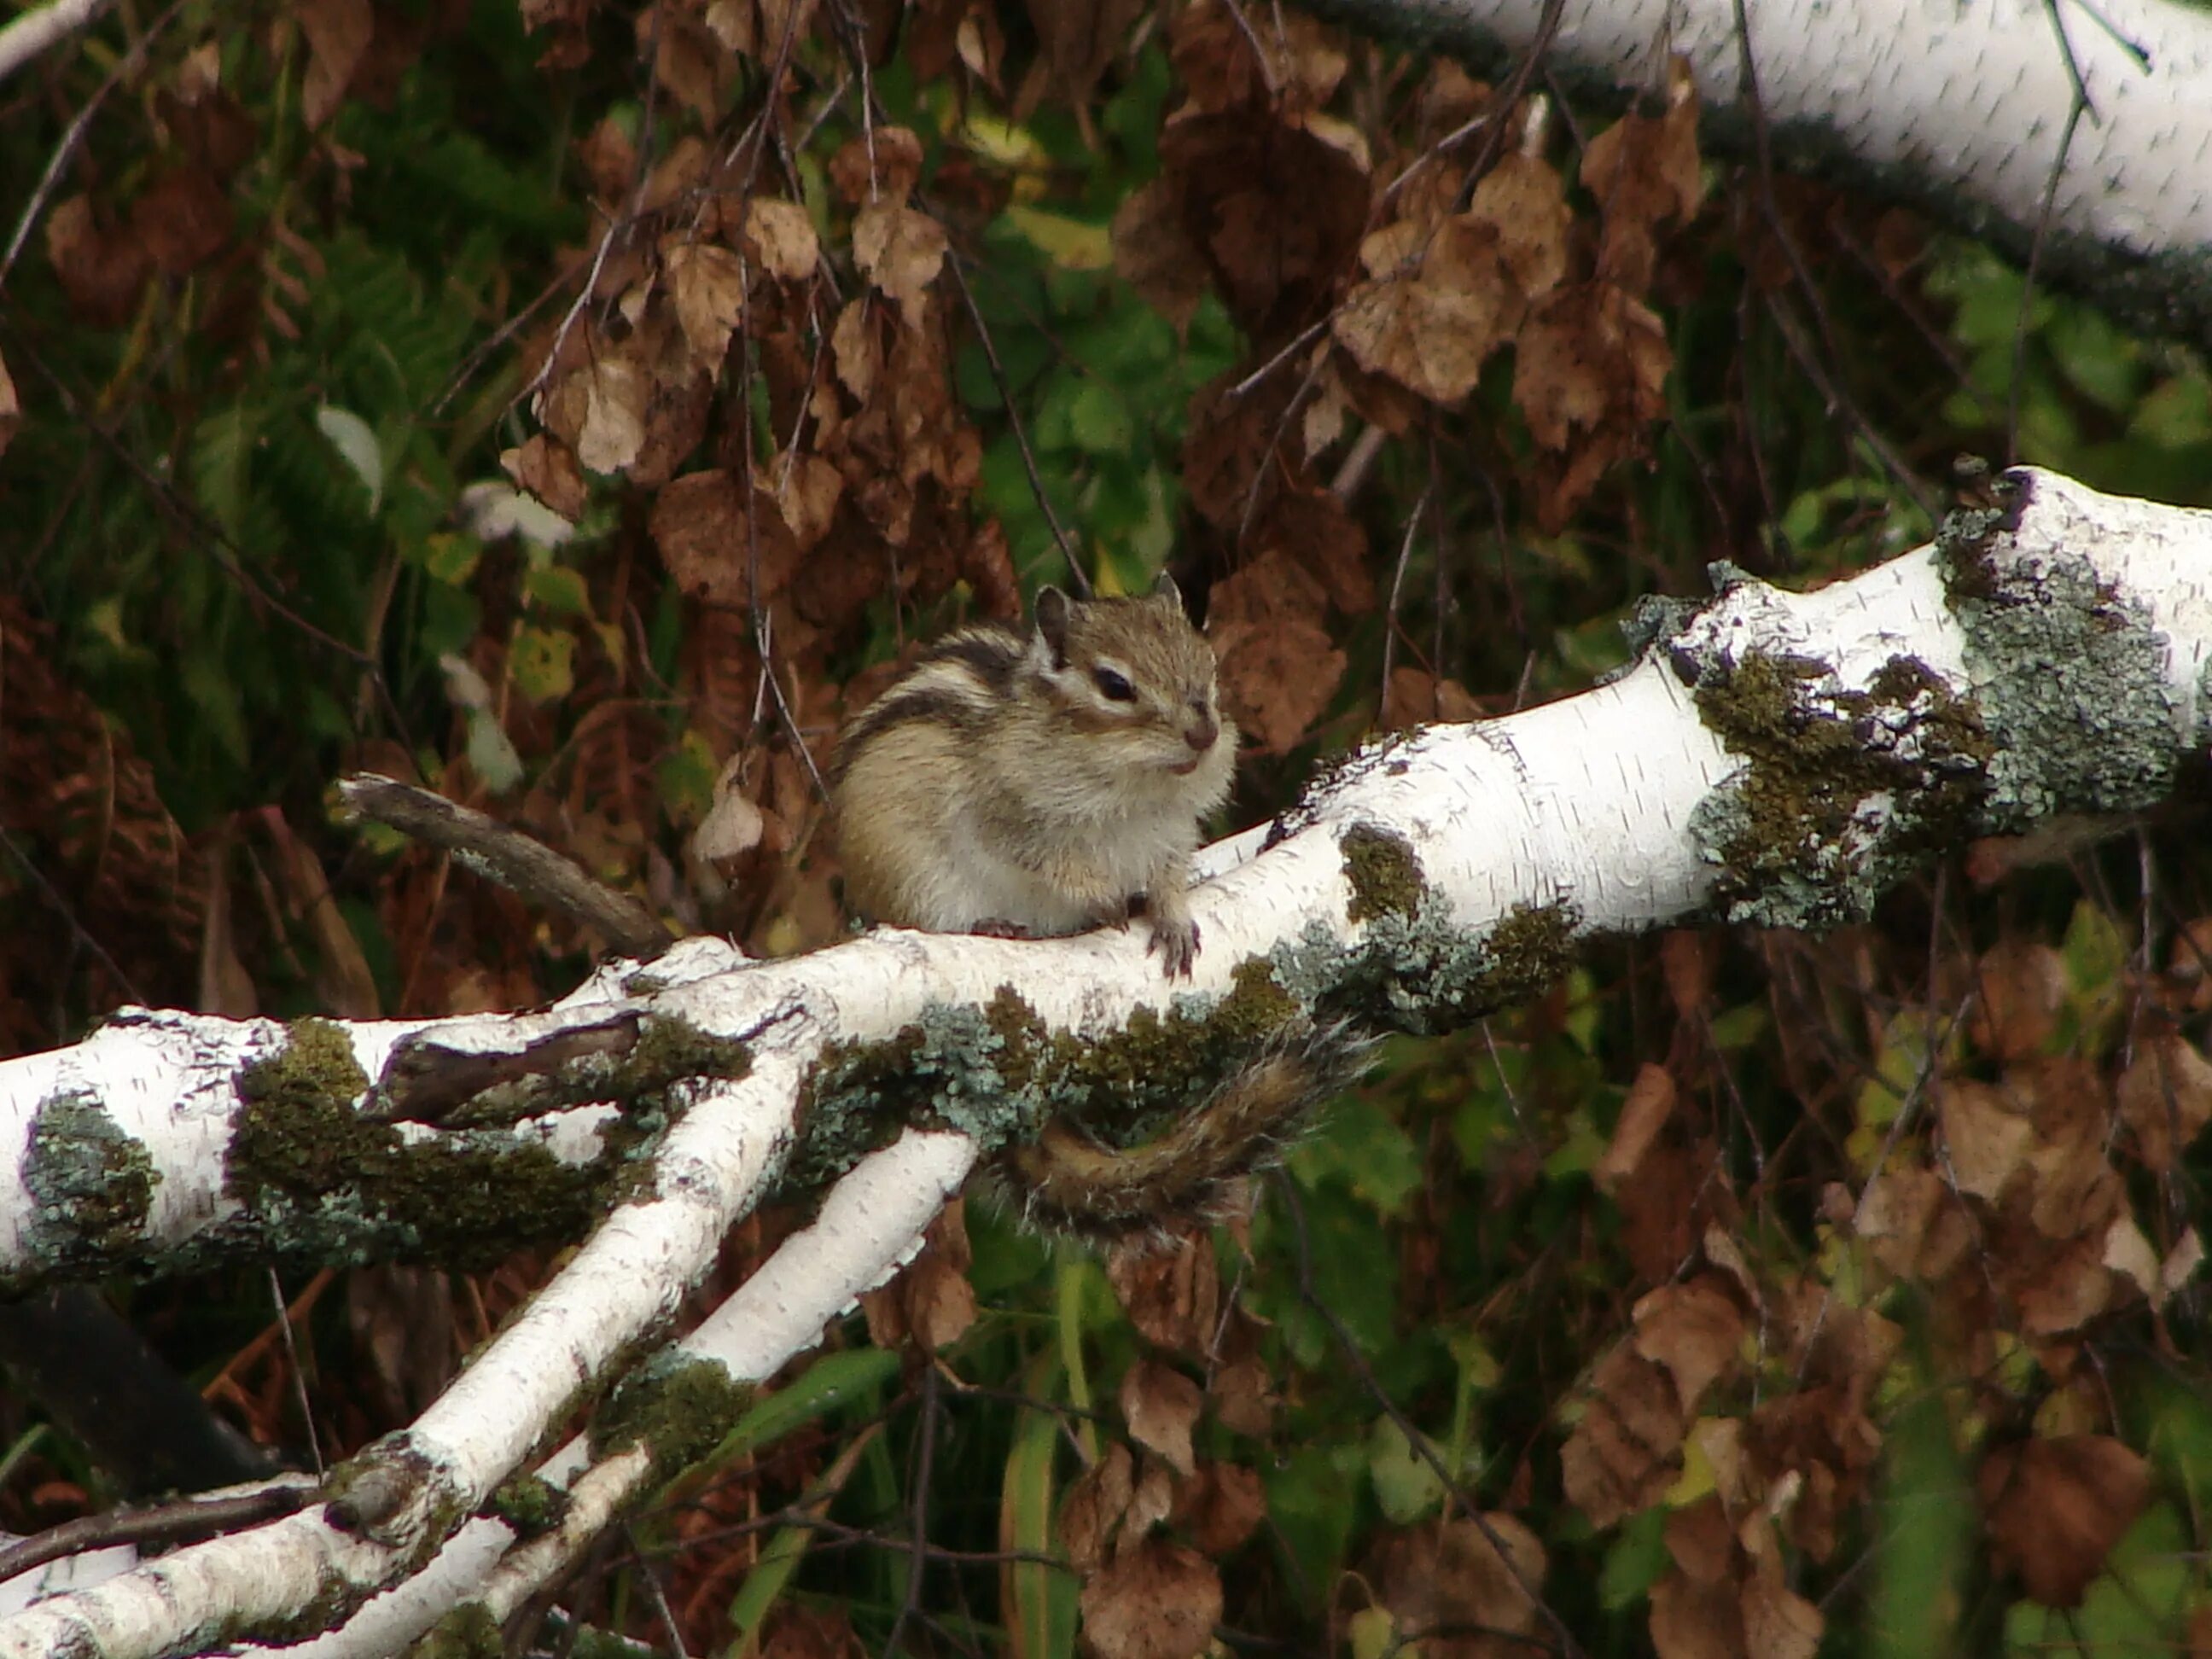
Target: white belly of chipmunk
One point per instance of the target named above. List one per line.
(1090, 880)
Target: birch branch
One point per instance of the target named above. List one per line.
(1772, 758)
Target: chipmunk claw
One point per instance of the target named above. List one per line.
(1177, 943)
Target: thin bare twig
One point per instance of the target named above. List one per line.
(2078, 105)
(73, 135)
(1076, 573)
(1563, 1642)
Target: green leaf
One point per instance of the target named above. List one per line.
(451, 557)
(1306, 1501)
(558, 588)
(2175, 414)
(1635, 1560)
(1099, 420)
(831, 1383)
(1407, 1484)
(1041, 1600)
(223, 448)
(543, 663)
(686, 777)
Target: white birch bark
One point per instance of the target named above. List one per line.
(1775, 757)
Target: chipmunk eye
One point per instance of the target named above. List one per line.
(1113, 686)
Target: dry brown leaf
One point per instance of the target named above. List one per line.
(1161, 1405)
(2166, 1098)
(1524, 204)
(708, 285)
(931, 1300)
(733, 824)
(2020, 985)
(1625, 1451)
(1154, 254)
(1223, 1508)
(599, 410)
(699, 526)
(901, 251)
(2189, 964)
(1244, 1397)
(783, 239)
(807, 488)
(547, 469)
(857, 347)
(338, 34)
(1986, 1136)
(1278, 667)
(11, 409)
(1913, 1223)
(1276, 210)
(1158, 1601)
(1416, 697)
(1691, 1621)
(1433, 331)
(1777, 1622)
(1587, 355)
(688, 58)
(1694, 1330)
(1172, 1296)
(1077, 39)
(2061, 1290)
(883, 163)
(1313, 529)
(2056, 1508)
(101, 271)
(1097, 1501)
(1450, 1583)
(1643, 171)
(183, 218)
(1650, 1103)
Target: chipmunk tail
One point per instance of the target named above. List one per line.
(1068, 1181)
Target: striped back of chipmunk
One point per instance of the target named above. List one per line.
(957, 681)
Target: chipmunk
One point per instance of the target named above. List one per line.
(1034, 783)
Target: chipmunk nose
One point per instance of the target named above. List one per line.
(1200, 736)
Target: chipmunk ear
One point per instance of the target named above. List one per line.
(1165, 588)
(1051, 611)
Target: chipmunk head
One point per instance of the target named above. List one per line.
(1136, 677)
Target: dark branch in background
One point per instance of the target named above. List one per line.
(1076, 575)
(1492, 147)
(132, 61)
(107, 1389)
(1901, 471)
(183, 1522)
(528, 868)
(2076, 107)
(1563, 1641)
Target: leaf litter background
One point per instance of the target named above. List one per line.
(1750, 1294)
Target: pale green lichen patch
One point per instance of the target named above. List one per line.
(2073, 686)
(677, 1406)
(1839, 788)
(1426, 972)
(1383, 871)
(950, 1065)
(92, 1183)
(321, 1183)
